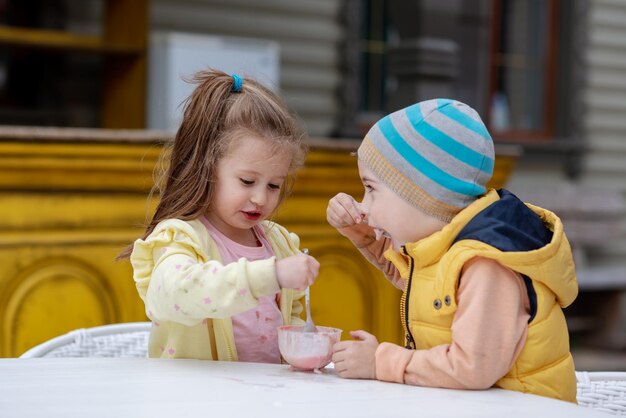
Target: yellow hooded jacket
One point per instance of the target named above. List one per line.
(526, 239)
(190, 295)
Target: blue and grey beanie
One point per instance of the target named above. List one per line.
(436, 154)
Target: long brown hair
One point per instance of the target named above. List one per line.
(214, 116)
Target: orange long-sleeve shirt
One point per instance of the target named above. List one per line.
(488, 330)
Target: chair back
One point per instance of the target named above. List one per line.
(113, 340)
(604, 391)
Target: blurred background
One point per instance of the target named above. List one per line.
(90, 91)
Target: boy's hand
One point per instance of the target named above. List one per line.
(297, 272)
(356, 359)
(343, 213)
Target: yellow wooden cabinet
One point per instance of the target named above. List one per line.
(71, 199)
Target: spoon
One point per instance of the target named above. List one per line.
(309, 326)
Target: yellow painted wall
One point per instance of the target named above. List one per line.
(71, 199)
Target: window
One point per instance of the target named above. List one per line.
(522, 90)
(514, 61)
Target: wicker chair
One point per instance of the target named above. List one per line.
(603, 391)
(114, 340)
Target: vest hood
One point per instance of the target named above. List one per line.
(528, 239)
(508, 225)
(533, 235)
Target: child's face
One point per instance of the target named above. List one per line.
(247, 189)
(391, 215)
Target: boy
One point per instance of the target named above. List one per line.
(485, 276)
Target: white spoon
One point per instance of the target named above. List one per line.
(309, 326)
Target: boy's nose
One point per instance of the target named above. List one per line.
(362, 209)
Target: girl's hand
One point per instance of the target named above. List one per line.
(344, 214)
(356, 359)
(297, 272)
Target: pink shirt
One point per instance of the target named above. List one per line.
(256, 335)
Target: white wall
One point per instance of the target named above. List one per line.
(605, 99)
(308, 32)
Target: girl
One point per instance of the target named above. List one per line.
(216, 277)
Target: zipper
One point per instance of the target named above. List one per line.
(212, 332)
(404, 304)
(231, 349)
(212, 340)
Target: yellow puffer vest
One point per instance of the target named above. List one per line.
(433, 267)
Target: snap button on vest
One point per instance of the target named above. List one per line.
(447, 300)
(437, 304)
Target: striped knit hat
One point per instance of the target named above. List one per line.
(437, 155)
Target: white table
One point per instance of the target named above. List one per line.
(112, 388)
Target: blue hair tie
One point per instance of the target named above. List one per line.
(237, 83)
